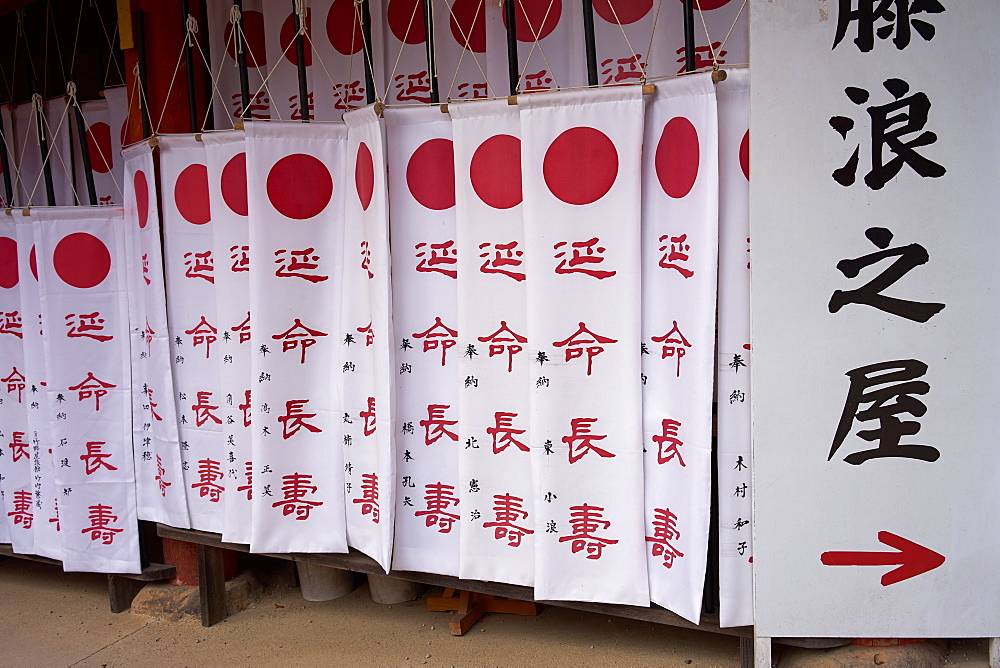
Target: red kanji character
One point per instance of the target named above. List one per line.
(248, 488)
(145, 268)
(676, 252)
(245, 408)
(538, 81)
(296, 107)
(505, 340)
(94, 459)
(208, 473)
(439, 498)
(160, 480)
(259, 106)
(508, 510)
(152, 404)
(298, 263)
(473, 91)
(412, 87)
(674, 345)
(585, 520)
(55, 518)
(369, 334)
(577, 344)
(298, 336)
(664, 531)
(203, 409)
(442, 258)
(91, 386)
(584, 253)
(498, 256)
(200, 265)
(503, 433)
(295, 418)
(631, 68)
(369, 417)
(11, 324)
(295, 488)
(15, 383)
(18, 447)
(240, 256)
(243, 329)
(22, 509)
(669, 443)
(366, 259)
(147, 336)
(437, 336)
(581, 439)
(435, 426)
(369, 496)
(100, 519)
(349, 96)
(700, 59)
(82, 325)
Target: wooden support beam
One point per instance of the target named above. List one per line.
(211, 584)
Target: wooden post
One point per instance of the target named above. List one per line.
(762, 652)
(211, 585)
(994, 652)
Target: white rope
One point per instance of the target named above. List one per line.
(215, 79)
(191, 27)
(722, 45)
(402, 45)
(300, 11)
(36, 99)
(104, 159)
(466, 48)
(635, 56)
(329, 76)
(652, 33)
(535, 43)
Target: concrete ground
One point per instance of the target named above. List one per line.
(51, 618)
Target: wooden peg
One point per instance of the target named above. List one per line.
(379, 108)
(444, 108)
(718, 75)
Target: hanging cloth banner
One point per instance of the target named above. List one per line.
(193, 325)
(227, 189)
(557, 60)
(498, 542)
(283, 61)
(105, 156)
(733, 366)
(58, 130)
(425, 321)
(580, 161)
(339, 76)
(680, 223)
(28, 157)
(117, 99)
(155, 437)
(47, 540)
(7, 132)
(460, 49)
(297, 185)
(368, 366)
(16, 461)
(84, 300)
(227, 43)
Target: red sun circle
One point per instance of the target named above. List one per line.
(286, 39)
(299, 186)
(343, 28)
(535, 16)
(81, 260)
(141, 197)
(677, 157)
(430, 174)
(406, 21)
(234, 184)
(364, 175)
(495, 171)
(253, 29)
(191, 194)
(468, 21)
(624, 11)
(99, 145)
(33, 263)
(8, 262)
(707, 5)
(745, 155)
(580, 165)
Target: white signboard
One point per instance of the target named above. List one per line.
(873, 221)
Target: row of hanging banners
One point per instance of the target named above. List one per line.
(521, 392)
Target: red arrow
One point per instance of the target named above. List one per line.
(912, 559)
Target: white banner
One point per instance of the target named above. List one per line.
(498, 542)
(338, 43)
(733, 355)
(160, 491)
(105, 155)
(581, 159)
(16, 482)
(227, 189)
(404, 55)
(679, 266)
(368, 368)
(297, 185)
(425, 321)
(7, 136)
(282, 60)
(227, 43)
(193, 324)
(79, 253)
(27, 157)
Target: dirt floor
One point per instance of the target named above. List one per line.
(51, 618)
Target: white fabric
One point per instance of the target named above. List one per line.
(105, 155)
(155, 437)
(193, 324)
(368, 382)
(580, 170)
(227, 183)
(7, 130)
(84, 303)
(339, 68)
(733, 367)
(282, 70)
(59, 121)
(498, 542)
(28, 157)
(117, 99)
(679, 265)
(296, 185)
(404, 63)
(425, 305)
(227, 99)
